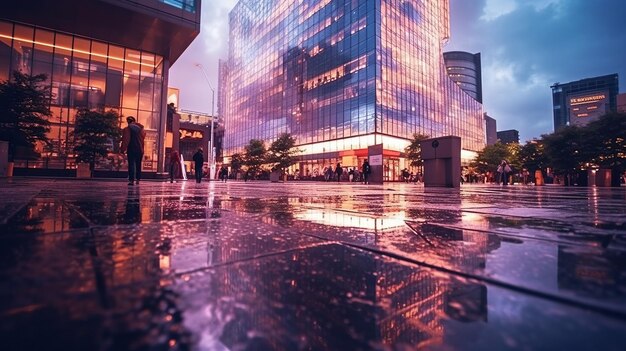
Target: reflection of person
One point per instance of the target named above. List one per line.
(198, 159)
(133, 137)
(504, 170)
(174, 167)
(132, 213)
(366, 170)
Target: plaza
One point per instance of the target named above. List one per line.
(97, 264)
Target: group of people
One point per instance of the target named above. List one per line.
(353, 174)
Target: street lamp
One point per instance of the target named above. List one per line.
(211, 157)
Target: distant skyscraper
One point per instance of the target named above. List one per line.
(491, 133)
(621, 103)
(509, 136)
(344, 75)
(465, 70)
(98, 55)
(585, 100)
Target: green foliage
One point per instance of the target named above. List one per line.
(414, 150)
(255, 155)
(95, 135)
(24, 111)
(532, 156)
(607, 141)
(236, 161)
(490, 157)
(283, 153)
(566, 149)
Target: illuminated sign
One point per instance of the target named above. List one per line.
(586, 100)
(191, 134)
(586, 107)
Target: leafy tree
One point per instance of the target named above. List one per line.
(24, 111)
(283, 153)
(567, 151)
(255, 155)
(95, 134)
(606, 142)
(236, 161)
(490, 157)
(532, 156)
(414, 150)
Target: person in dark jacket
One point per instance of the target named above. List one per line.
(366, 170)
(133, 137)
(174, 167)
(198, 159)
(224, 173)
(339, 171)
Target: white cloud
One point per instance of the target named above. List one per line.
(497, 8)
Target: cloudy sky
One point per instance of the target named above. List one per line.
(526, 46)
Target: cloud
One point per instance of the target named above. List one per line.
(527, 46)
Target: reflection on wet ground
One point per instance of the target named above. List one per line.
(310, 266)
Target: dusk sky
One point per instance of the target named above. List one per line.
(526, 46)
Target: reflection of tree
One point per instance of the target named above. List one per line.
(281, 211)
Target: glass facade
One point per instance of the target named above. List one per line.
(84, 73)
(341, 75)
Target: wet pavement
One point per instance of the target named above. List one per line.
(98, 265)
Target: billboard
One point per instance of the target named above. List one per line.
(586, 107)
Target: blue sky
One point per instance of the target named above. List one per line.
(526, 46)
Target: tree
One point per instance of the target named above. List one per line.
(606, 142)
(24, 111)
(490, 157)
(532, 156)
(236, 161)
(282, 153)
(255, 155)
(414, 150)
(567, 151)
(95, 134)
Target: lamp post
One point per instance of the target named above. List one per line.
(211, 157)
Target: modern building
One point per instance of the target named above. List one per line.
(585, 100)
(102, 55)
(491, 134)
(341, 76)
(621, 103)
(510, 136)
(465, 70)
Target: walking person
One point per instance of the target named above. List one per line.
(174, 166)
(198, 159)
(504, 170)
(133, 137)
(224, 173)
(339, 172)
(365, 171)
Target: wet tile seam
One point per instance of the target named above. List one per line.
(18, 209)
(508, 235)
(621, 315)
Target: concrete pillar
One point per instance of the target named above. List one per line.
(442, 161)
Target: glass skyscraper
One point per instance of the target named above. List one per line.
(342, 75)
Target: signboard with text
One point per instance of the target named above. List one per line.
(587, 107)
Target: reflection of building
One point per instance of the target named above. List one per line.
(510, 136)
(344, 75)
(465, 70)
(491, 130)
(95, 62)
(585, 100)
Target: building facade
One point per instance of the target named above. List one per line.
(491, 130)
(342, 75)
(510, 136)
(621, 103)
(585, 100)
(95, 62)
(466, 71)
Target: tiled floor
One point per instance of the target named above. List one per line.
(99, 265)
